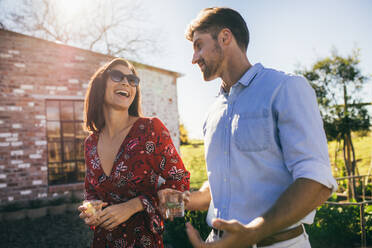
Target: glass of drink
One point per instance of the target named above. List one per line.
(174, 205)
(93, 207)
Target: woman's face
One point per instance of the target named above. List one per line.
(119, 95)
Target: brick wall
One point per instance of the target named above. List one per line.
(32, 70)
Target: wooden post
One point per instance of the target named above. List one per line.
(363, 226)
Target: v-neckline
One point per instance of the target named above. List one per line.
(117, 153)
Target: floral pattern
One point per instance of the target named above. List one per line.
(146, 157)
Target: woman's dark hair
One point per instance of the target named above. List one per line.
(213, 20)
(95, 97)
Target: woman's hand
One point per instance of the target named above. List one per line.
(89, 218)
(114, 215)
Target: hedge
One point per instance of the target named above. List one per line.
(333, 226)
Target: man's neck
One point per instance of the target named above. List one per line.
(236, 66)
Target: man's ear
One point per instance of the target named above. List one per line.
(225, 36)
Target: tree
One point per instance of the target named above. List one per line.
(183, 135)
(110, 27)
(337, 81)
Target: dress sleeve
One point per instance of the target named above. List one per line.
(90, 192)
(168, 163)
(168, 171)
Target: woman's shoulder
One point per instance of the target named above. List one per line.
(152, 121)
(90, 138)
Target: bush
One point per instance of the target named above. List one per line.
(336, 226)
(175, 233)
(184, 140)
(333, 227)
(36, 203)
(57, 201)
(14, 206)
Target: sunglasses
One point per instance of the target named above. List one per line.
(118, 77)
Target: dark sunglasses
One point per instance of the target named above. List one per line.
(118, 77)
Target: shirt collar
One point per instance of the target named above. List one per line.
(247, 77)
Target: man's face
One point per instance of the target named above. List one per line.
(207, 54)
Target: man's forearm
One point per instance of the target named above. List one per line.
(303, 196)
(199, 200)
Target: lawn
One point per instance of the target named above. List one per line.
(363, 153)
(193, 158)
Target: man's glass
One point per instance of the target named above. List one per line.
(118, 77)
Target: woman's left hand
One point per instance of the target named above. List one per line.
(114, 215)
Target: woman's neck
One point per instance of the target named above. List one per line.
(116, 121)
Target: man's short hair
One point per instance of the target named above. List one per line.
(213, 20)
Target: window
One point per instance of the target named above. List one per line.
(65, 136)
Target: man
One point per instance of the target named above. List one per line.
(265, 147)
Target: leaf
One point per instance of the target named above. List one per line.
(368, 209)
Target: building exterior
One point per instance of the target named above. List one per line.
(42, 89)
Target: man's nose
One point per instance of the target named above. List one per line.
(195, 58)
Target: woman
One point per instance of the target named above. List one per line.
(129, 158)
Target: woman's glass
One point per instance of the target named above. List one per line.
(118, 77)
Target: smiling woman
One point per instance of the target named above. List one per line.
(129, 160)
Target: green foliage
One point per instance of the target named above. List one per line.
(336, 226)
(184, 139)
(175, 231)
(336, 81)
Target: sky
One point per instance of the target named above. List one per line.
(284, 34)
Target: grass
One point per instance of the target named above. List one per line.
(363, 153)
(193, 158)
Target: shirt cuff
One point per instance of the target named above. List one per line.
(316, 171)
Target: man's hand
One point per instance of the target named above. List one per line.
(162, 195)
(235, 235)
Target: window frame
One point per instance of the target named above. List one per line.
(77, 159)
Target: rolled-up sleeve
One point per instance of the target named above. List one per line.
(301, 132)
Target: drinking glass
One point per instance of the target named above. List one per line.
(174, 205)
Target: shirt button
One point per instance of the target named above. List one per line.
(224, 179)
(225, 152)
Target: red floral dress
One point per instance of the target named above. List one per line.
(147, 162)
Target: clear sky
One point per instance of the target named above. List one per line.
(285, 34)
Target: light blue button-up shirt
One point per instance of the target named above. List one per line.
(259, 138)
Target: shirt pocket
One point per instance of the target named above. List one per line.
(251, 131)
